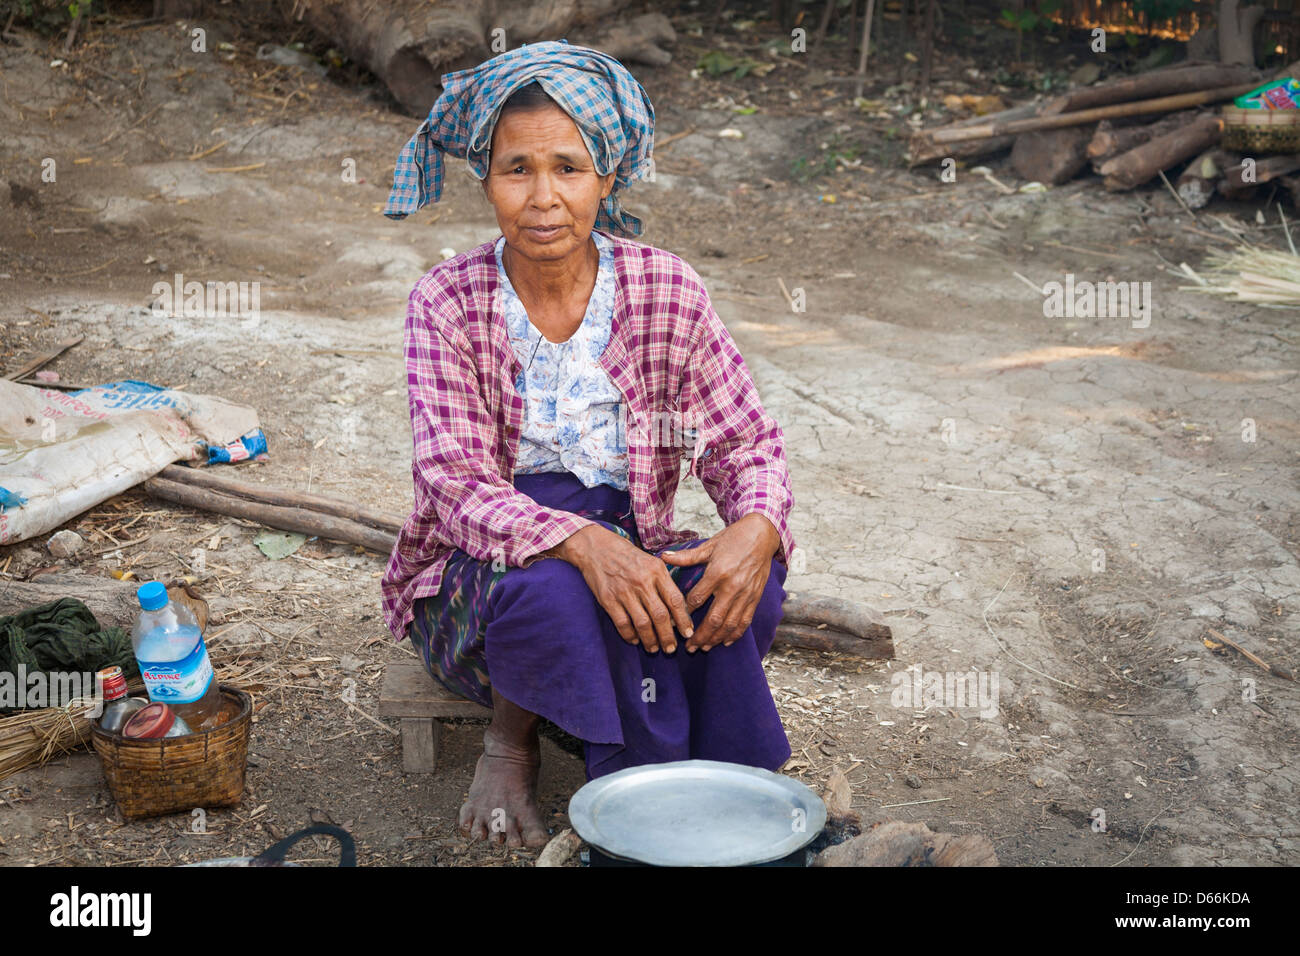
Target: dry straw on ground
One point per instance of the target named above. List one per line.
(1248, 273)
(34, 736)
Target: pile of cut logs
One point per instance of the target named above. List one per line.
(1128, 130)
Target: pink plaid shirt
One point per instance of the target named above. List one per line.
(687, 391)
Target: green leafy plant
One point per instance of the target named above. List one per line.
(836, 153)
(44, 16)
(716, 63)
(1020, 21)
(1026, 20)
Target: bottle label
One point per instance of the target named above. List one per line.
(179, 682)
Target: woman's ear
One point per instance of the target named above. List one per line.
(608, 187)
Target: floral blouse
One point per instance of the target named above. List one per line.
(573, 411)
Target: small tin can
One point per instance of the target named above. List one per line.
(153, 722)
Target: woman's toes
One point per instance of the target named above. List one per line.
(513, 837)
(536, 837)
(476, 829)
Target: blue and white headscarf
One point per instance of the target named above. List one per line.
(607, 104)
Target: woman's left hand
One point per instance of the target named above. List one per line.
(739, 560)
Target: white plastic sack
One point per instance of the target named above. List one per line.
(65, 453)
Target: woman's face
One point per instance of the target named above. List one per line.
(543, 184)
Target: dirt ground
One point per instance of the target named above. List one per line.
(1067, 504)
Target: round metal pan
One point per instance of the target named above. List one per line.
(697, 813)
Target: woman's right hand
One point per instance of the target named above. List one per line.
(633, 586)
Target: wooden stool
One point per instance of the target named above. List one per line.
(420, 702)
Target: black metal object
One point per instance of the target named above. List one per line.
(274, 856)
(800, 857)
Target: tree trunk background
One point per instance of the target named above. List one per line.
(409, 44)
(1237, 32)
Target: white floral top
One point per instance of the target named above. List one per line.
(572, 410)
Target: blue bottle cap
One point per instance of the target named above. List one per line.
(152, 596)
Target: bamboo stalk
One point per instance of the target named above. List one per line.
(1159, 105)
(923, 149)
(1169, 81)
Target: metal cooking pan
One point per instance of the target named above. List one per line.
(697, 813)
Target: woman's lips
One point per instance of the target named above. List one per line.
(543, 233)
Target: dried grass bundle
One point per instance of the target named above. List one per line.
(34, 736)
(1266, 277)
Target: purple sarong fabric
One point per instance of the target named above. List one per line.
(538, 635)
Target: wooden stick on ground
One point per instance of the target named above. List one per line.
(835, 625)
(1271, 668)
(43, 359)
(206, 478)
(300, 520)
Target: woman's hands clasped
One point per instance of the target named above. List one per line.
(633, 586)
(645, 604)
(739, 561)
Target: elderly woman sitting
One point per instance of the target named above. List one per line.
(557, 378)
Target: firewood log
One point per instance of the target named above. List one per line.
(1196, 184)
(895, 843)
(1051, 156)
(1110, 140)
(1143, 163)
(1242, 175)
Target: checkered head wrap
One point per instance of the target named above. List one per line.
(607, 104)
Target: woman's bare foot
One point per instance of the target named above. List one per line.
(502, 803)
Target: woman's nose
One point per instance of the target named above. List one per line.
(543, 196)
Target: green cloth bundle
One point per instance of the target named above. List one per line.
(61, 636)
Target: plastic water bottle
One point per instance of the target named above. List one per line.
(174, 660)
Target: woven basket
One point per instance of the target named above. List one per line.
(151, 778)
(1261, 131)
